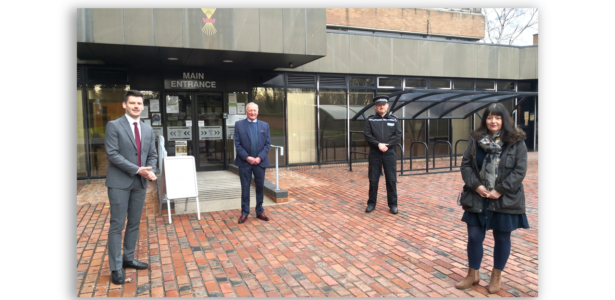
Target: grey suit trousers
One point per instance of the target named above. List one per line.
(125, 203)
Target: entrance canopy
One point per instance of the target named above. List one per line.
(422, 104)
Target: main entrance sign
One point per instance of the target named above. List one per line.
(191, 81)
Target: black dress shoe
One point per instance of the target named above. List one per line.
(370, 208)
(263, 217)
(242, 219)
(117, 277)
(134, 264)
(394, 210)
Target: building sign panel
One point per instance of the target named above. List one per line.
(190, 81)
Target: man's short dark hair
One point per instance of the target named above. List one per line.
(133, 93)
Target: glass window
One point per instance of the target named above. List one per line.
(461, 131)
(358, 100)
(81, 155)
(419, 83)
(485, 85)
(271, 110)
(440, 83)
(414, 132)
(384, 82)
(333, 125)
(506, 86)
(242, 97)
(360, 81)
(464, 84)
(301, 125)
(104, 104)
(438, 131)
(526, 86)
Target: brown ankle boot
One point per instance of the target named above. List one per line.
(495, 282)
(472, 279)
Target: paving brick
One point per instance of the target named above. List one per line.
(319, 244)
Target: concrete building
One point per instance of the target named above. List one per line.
(310, 70)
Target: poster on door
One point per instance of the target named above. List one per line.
(208, 133)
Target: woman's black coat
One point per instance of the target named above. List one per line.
(512, 168)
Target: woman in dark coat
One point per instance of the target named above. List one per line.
(493, 168)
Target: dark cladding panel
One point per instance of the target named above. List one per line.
(236, 83)
(145, 79)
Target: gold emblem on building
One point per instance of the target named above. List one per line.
(209, 28)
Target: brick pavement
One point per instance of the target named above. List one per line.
(321, 244)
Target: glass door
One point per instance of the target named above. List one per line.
(209, 129)
(179, 121)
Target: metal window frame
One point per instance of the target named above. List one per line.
(378, 86)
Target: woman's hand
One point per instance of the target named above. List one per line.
(482, 191)
(494, 194)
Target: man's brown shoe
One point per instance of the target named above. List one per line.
(242, 219)
(262, 217)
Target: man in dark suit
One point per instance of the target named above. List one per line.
(131, 151)
(252, 141)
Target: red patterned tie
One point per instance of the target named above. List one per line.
(138, 141)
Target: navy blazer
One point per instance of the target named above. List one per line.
(243, 142)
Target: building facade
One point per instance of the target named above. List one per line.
(309, 70)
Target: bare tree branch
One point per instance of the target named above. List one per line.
(506, 25)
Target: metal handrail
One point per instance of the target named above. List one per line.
(277, 186)
(456, 149)
(426, 153)
(450, 154)
(402, 158)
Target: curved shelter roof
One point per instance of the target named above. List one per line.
(422, 104)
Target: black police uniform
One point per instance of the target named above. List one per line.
(385, 130)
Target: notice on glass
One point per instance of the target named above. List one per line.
(154, 105)
(157, 131)
(232, 108)
(230, 121)
(156, 121)
(147, 121)
(172, 104)
(201, 123)
(232, 98)
(241, 108)
(188, 123)
(144, 113)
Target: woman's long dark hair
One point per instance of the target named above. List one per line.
(509, 133)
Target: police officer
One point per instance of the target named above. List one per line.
(382, 131)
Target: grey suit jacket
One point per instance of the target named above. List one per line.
(122, 152)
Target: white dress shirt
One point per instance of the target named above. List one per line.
(132, 125)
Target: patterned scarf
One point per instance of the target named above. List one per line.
(493, 147)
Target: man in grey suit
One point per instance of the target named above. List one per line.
(131, 151)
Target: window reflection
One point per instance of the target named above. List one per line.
(271, 110)
(333, 125)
